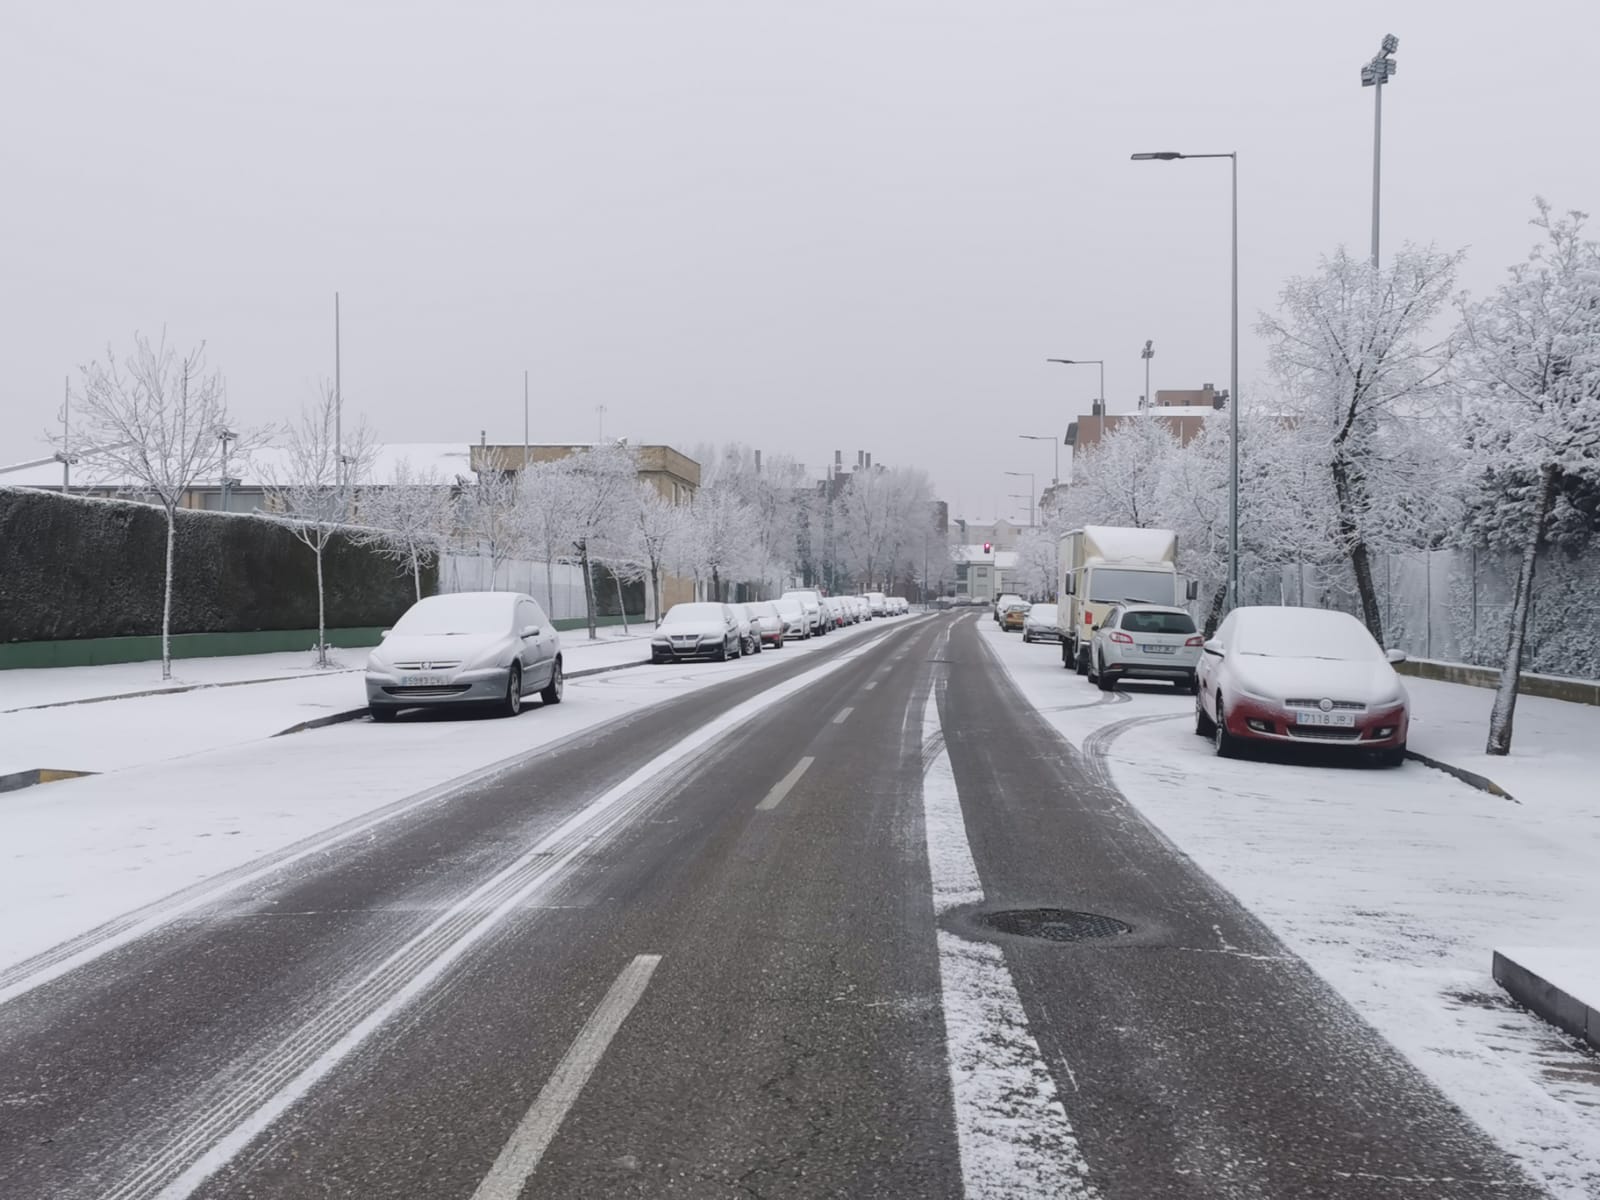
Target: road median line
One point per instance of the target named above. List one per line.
(782, 787)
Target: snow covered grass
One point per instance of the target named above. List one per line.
(82, 851)
(1395, 885)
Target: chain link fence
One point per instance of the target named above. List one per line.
(1455, 605)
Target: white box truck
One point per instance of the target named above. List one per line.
(1105, 565)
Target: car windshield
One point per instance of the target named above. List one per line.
(1304, 633)
(1043, 612)
(680, 614)
(1158, 622)
(457, 616)
(1017, 607)
(1110, 584)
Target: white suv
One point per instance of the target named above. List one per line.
(1145, 641)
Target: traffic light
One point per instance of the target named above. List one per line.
(986, 547)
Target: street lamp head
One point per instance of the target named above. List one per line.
(1161, 155)
(1149, 350)
(1390, 43)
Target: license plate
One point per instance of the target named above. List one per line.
(1341, 720)
(1158, 649)
(422, 680)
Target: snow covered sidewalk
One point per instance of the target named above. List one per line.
(47, 720)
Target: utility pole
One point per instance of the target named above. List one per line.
(66, 438)
(600, 413)
(338, 402)
(1374, 75)
(225, 436)
(524, 422)
(1147, 354)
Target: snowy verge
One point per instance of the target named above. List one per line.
(1394, 885)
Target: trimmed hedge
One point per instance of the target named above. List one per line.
(75, 567)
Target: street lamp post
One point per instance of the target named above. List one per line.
(1028, 475)
(226, 436)
(1055, 480)
(1087, 362)
(1374, 75)
(1233, 371)
(1147, 354)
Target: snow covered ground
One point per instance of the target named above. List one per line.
(213, 796)
(1395, 885)
(213, 702)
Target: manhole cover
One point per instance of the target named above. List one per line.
(1054, 924)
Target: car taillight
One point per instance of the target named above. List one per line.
(1195, 641)
(1119, 636)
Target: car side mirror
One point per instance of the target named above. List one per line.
(1192, 590)
(1214, 646)
(1395, 656)
(1094, 629)
(529, 631)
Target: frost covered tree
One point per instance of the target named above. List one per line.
(657, 526)
(313, 489)
(1359, 373)
(1036, 570)
(547, 517)
(1122, 479)
(722, 541)
(488, 517)
(601, 482)
(154, 418)
(1531, 382)
(408, 519)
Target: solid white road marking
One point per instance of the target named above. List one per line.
(1012, 1131)
(871, 683)
(843, 714)
(781, 788)
(520, 1157)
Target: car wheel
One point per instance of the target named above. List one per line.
(1394, 756)
(512, 704)
(1227, 746)
(657, 658)
(557, 685)
(1083, 662)
(382, 713)
(1066, 657)
(1194, 685)
(722, 652)
(1025, 637)
(1105, 681)
(1204, 726)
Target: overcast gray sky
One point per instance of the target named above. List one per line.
(857, 224)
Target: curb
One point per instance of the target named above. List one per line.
(17, 780)
(176, 691)
(355, 714)
(1545, 999)
(1471, 779)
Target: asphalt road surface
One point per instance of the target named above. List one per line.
(737, 945)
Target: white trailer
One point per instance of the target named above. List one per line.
(1105, 565)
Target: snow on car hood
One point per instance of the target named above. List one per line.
(435, 647)
(710, 629)
(1316, 678)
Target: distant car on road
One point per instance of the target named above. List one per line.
(1040, 624)
(701, 629)
(1014, 614)
(466, 648)
(1301, 676)
(899, 606)
(1002, 601)
(877, 604)
(1144, 641)
(836, 608)
(749, 629)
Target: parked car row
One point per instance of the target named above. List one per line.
(1269, 675)
(711, 629)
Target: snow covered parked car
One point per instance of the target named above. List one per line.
(1145, 641)
(701, 629)
(796, 625)
(1040, 624)
(767, 621)
(472, 648)
(812, 600)
(1305, 676)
